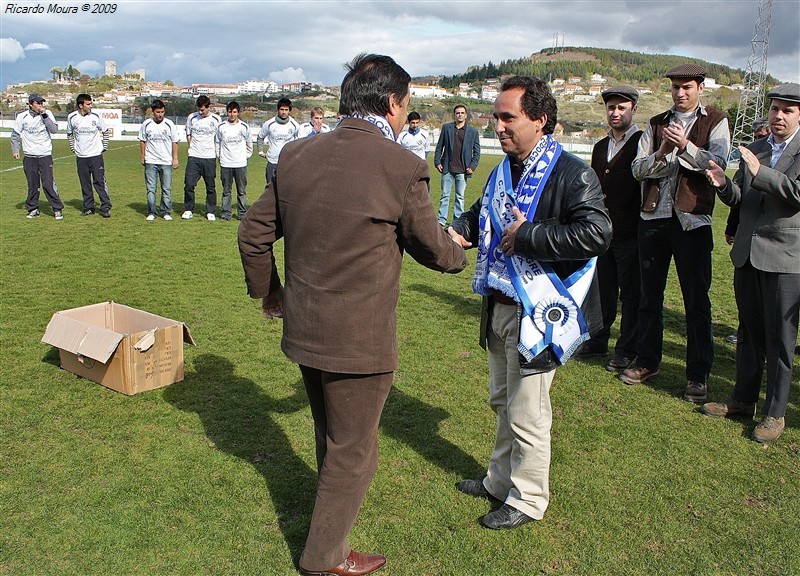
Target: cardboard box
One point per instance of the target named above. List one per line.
(120, 347)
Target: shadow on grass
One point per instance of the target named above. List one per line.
(52, 357)
(141, 207)
(415, 423)
(238, 418)
(460, 305)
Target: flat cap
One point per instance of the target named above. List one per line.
(35, 98)
(687, 71)
(789, 92)
(623, 91)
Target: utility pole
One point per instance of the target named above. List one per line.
(751, 102)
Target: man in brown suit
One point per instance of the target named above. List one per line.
(345, 222)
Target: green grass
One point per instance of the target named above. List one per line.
(215, 475)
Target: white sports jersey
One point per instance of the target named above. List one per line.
(33, 133)
(417, 143)
(202, 132)
(234, 144)
(277, 135)
(307, 130)
(87, 134)
(158, 139)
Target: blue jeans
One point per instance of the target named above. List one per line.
(444, 202)
(164, 173)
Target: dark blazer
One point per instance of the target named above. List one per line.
(470, 151)
(769, 210)
(347, 204)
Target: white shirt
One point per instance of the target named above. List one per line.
(417, 143)
(202, 132)
(33, 132)
(307, 130)
(158, 139)
(277, 135)
(777, 149)
(87, 132)
(234, 144)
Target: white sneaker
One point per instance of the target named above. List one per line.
(210, 217)
(167, 217)
(150, 217)
(187, 215)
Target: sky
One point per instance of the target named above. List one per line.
(295, 40)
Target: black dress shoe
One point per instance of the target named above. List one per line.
(505, 518)
(591, 350)
(356, 564)
(474, 488)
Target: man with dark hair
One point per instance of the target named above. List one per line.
(234, 147)
(32, 130)
(456, 158)
(88, 135)
(342, 285)
(766, 277)
(201, 128)
(618, 268)
(414, 139)
(538, 226)
(158, 144)
(277, 132)
(677, 202)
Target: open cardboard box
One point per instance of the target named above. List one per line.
(120, 347)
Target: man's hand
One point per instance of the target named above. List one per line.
(750, 160)
(458, 238)
(15, 155)
(272, 305)
(174, 162)
(510, 233)
(439, 167)
(715, 174)
(470, 171)
(675, 136)
(729, 239)
(262, 153)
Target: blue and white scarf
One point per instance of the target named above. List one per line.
(551, 314)
(379, 121)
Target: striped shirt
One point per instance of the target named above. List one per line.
(33, 132)
(87, 135)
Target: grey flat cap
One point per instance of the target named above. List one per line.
(789, 92)
(623, 91)
(35, 98)
(687, 71)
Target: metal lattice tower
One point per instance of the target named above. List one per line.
(751, 102)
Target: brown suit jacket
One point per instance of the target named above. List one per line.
(347, 204)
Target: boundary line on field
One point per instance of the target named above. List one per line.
(60, 158)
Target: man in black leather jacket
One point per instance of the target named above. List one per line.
(570, 225)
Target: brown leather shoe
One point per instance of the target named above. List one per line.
(769, 429)
(729, 408)
(356, 564)
(637, 375)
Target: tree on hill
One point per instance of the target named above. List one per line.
(56, 72)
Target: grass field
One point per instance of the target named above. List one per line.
(215, 475)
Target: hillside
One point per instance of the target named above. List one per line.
(618, 66)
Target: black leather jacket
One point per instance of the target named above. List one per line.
(570, 226)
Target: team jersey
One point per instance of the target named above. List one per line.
(307, 129)
(87, 135)
(417, 143)
(277, 135)
(202, 132)
(31, 130)
(234, 144)
(158, 139)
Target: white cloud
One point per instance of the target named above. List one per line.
(178, 55)
(11, 50)
(288, 74)
(37, 46)
(108, 47)
(88, 66)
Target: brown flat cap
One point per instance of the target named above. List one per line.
(623, 91)
(789, 92)
(687, 71)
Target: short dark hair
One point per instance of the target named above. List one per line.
(537, 99)
(413, 116)
(231, 105)
(157, 105)
(369, 84)
(457, 106)
(284, 102)
(83, 98)
(202, 100)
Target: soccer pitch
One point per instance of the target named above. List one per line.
(216, 474)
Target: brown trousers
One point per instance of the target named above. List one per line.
(347, 410)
